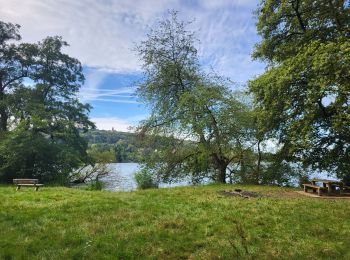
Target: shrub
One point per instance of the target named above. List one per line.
(95, 185)
(145, 180)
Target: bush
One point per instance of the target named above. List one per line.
(95, 185)
(145, 180)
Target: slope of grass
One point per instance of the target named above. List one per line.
(188, 222)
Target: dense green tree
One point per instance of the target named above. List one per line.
(40, 114)
(303, 97)
(102, 153)
(212, 136)
(10, 69)
(200, 126)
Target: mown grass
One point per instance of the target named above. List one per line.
(187, 222)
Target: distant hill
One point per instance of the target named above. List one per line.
(107, 136)
(122, 144)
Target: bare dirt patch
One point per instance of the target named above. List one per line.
(240, 193)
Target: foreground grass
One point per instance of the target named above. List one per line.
(188, 222)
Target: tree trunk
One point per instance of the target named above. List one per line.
(3, 120)
(243, 174)
(258, 164)
(221, 175)
(3, 113)
(29, 165)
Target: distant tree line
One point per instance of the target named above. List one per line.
(113, 146)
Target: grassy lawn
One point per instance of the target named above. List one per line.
(188, 222)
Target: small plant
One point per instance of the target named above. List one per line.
(145, 180)
(95, 185)
(240, 244)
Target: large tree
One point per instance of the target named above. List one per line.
(303, 97)
(40, 114)
(198, 126)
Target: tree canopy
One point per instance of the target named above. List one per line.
(201, 128)
(40, 114)
(303, 97)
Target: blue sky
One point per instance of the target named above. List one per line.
(102, 34)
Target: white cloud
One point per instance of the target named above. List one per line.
(102, 33)
(118, 124)
(109, 123)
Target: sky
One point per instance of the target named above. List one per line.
(103, 33)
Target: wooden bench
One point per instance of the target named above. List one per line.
(314, 188)
(28, 183)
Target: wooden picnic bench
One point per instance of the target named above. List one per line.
(328, 185)
(314, 188)
(28, 183)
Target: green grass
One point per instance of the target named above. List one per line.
(188, 222)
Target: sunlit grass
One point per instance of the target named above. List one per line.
(189, 222)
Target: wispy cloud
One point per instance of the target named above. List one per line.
(94, 93)
(94, 78)
(102, 33)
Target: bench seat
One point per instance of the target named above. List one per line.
(27, 182)
(314, 188)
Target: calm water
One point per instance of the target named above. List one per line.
(121, 178)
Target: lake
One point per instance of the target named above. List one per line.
(121, 178)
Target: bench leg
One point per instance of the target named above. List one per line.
(36, 188)
(18, 187)
(319, 192)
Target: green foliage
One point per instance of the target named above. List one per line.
(96, 136)
(26, 154)
(40, 122)
(114, 146)
(197, 124)
(176, 223)
(94, 185)
(303, 97)
(101, 153)
(126, 151)
(303, 179)
(146, 180)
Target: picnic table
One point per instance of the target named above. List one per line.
(329, 185)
